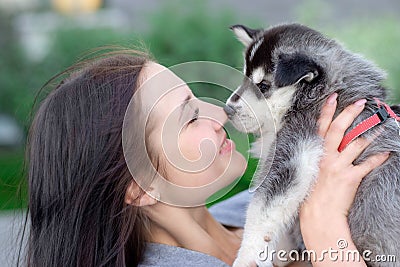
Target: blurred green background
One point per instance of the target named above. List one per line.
(38, 40)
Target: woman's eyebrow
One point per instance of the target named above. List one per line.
(183, 105)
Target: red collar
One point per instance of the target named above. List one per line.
(381, 115)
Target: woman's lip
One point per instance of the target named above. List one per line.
(228, 147)
(223, 140)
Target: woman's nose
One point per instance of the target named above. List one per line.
(215, 114)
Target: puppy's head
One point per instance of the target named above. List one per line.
(282, 73)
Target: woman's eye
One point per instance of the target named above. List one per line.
(195, 116)
(264, 86)
(192, 120)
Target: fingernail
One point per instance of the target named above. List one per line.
(332, 99)
(360, 102)
(385, 154)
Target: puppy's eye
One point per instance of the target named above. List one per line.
(264, 86)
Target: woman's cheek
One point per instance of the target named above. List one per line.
(189, 146)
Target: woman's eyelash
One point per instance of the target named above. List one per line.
(195, 116)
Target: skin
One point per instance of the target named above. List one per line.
(325, 209)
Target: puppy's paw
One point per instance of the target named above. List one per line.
(251, 254)
(240, 263)
(265, 263)
(264, 256)
(243, 263)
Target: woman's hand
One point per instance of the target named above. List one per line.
(323, 216)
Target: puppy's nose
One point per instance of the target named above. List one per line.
(229, 110)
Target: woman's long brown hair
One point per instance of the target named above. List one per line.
(77, 174)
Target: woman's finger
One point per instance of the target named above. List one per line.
(327, 112)
(354, 149)
(343, 121)
(369, 164)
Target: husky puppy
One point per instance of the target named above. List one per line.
(291, 70)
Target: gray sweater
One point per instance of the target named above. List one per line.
(230, 212)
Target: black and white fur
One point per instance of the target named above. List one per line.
(291, 70)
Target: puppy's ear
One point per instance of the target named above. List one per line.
(244, 34)
(294, 68)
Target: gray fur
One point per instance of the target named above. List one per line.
(375, 215)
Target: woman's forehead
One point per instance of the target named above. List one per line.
(162, 89)
(150, 69)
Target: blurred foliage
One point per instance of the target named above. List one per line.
(193, 33)
(15, 71)
(72, 44)
(11, 195)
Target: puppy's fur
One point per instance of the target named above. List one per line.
(291, 71)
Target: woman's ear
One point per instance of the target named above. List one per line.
(132, 196)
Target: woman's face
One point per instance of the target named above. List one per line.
(187, 133)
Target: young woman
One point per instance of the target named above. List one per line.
(116, 182)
